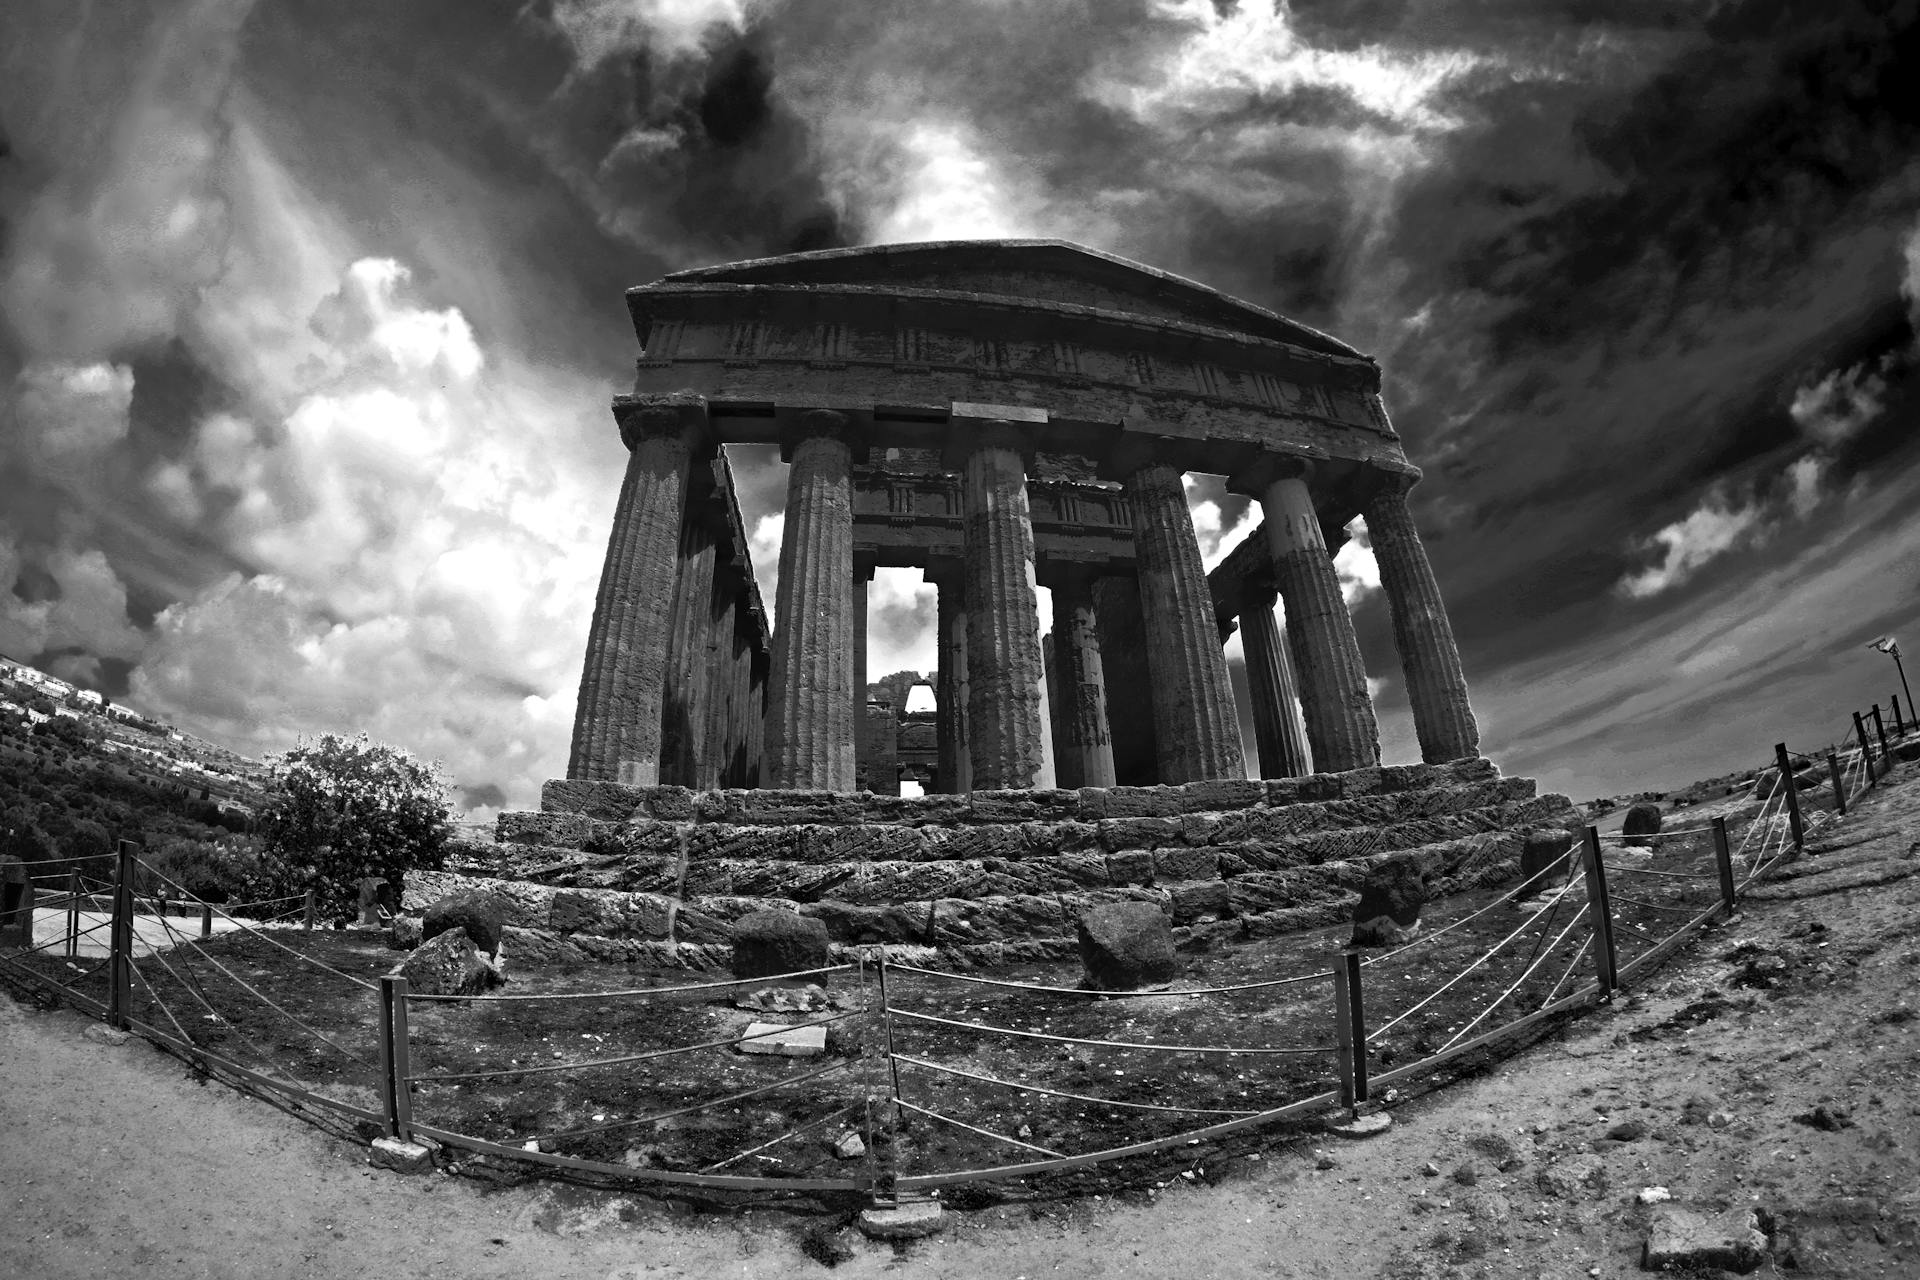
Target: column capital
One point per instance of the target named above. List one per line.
(673, 413)
(1052, 570)
(945, 571)
(990, 426)
(1381, 479)
(830, 424)
(1254, 478)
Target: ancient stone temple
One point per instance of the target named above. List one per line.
(999, 415)
(996, 414)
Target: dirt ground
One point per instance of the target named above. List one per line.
(1775, 1064)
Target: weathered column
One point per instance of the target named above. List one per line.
(616, 726)
(810, 724)
(1004, 668)
(1123, 643)
(1326, 655)
(862, 575)
(1437, 688)
(760, 669)
(950, 680)
(1276, 723)
(1196, 727)
(1082, 742)
(716, 749)
(684, 698)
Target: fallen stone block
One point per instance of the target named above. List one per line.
(1679, 1239)
(401, 1157)
(914, 1220)
(784, 1042)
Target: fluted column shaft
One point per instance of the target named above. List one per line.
(1436, 686)
(685, 696)
(950, 685)
(1196, 727)
(716, 753)
(810, 724)
(1276, 724)
(1082, 741)
(1005, 672)
(862, 747)
(616, 725)
(1326, 654)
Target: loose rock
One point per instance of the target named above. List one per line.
(1388, 913)
(1677, 1239)
(1126, 946)
(768, 943)
(477, 915)
(448, 965)
(914, 1220)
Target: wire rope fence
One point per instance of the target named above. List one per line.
(882, 1077)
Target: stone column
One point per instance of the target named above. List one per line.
(716, 749)
(1196, 727)
(1123, 643)
(862, 575)
(1326, 655)
(810, 724)
(950, 680)
(1437, 688)
(759, 669)
(616, 726)
(684, 699)
(1004, 666)
(1082, 742)
(1276, 719)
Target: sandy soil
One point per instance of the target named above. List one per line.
(1775, 1065)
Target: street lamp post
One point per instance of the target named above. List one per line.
(1891, 647)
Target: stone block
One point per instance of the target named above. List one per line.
(474, 912)
(1219, 794)
(649, 874)
(796, 881)
(707, 877)
(1061, 837)
(1139, 833)
(1000, 919)
(1185, 864)
(1388, 912)
(640, 836)
(604, 801)
(1201, 900)
(766, 943)
(1130, 866)
(867, 842)
(401, 1157)
(781, 808)
(913, 1220)
(1679, 1239)
(1544, 860)
(850, 925)
(448, 965)
(1307, 790)
(561, 830)
(404, 934)
(1128, 802)
(774, 1040)
(1037, 805)
(1006, 840)
(1125, 946)
(611, 914)
(1642, 823)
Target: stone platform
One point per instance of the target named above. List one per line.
(658, 874)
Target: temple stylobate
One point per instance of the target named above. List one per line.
(1001, 415)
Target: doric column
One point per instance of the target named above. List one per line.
(1276, 723)
(1123, 643)
(862, 575)
(1437, 688)
(684, 698)
(759, 670)
(1326, 655)
(721, 676)
(810, 724)
(1196, 727)
(950, 680)
(1082, 742)
(1004, 667)
(616, 725)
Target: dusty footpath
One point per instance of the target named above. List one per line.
(1773, 1066)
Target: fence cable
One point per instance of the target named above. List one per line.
(656, 1118)
(1585, 946)
(243, 927)
(1104, 1044)
(808, 1127)
(154, 996)
(242, 983)
(1534, 963)
(1484, 957)
(1651, 906)
(1059, 1093)
(634, 991)
(1325, 974)
(985, 1133)
(1425, 938)
(626, 1060)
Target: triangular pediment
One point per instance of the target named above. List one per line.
(1024, 270)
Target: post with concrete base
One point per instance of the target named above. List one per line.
(1600, 913)
(1350, 1029)
(120, 940)
(396, 1064)
(1723, 859)
(1839, 783)
(1785, 764)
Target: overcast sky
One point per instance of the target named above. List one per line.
(310, 311)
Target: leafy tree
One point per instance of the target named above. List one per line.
(339, 809)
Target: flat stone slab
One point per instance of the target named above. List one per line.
(914, 1220)
(785, 1042)
(1681, 1238)
(1343, 1125)
(401, 1157)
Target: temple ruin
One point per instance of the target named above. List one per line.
(1000, 415)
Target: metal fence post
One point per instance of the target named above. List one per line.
(308, 926)
(1866, 748)
(1898, 726)
(1794, 821)
(1839, 783)
(1600, 914)
(396, 1063)
(1880, 731)
(73, 913)
(1350, 1029)
(1723, 859)
(120, 939)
